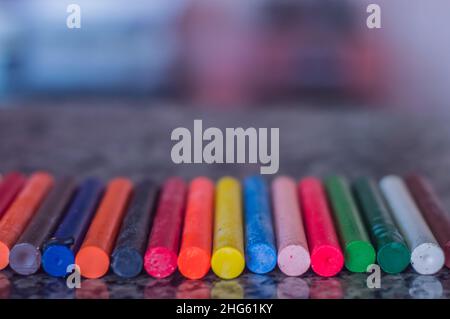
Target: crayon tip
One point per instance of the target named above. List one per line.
(160, 262)
(194, 262)
(393, 257)
(227, 262)
(327, 261)
(293, 260)
(56, 259)
(4, 255)
(25, 259)
(261, 258)
(359, 255)
(93, 262)
(126, 262)
(427, 258)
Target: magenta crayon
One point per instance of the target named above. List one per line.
(160, 259)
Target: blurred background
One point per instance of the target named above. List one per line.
(227, 54)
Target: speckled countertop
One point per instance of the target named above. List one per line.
(135, 141)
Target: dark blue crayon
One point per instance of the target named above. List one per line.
(128, 255)
(59, 251)
(261, 254)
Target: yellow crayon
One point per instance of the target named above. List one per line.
(228, 259)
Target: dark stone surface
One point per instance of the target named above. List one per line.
(135, 142)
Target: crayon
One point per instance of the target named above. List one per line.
(433, 210)
(260, 251)
(127, 258)
(160, 259)
(327, 258)
(25, 256)
(293, 253)
(358, 250)
(59, 251)
(194, 260)
(426, 256)
(10, 186)
(20, 212)
(93, 256)
(393, 254)
(228, 260)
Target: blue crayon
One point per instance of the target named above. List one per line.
(59, 251)
(260, 251)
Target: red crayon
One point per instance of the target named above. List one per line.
(10, 186)
(160, 259)
(327, 258)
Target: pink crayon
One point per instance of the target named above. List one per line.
(293, 254)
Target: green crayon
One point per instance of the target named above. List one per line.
(358, 251)
(393, 254)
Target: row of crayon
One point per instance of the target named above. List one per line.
(57, 224)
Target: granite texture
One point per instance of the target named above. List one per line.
(135, 141)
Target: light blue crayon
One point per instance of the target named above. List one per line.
(260, 251)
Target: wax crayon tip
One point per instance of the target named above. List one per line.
(93, 262)
(160, 262)
(126, 262)
(293, 260)
(359, 255)
(327, 260)
(4, 255)
(261, 258)
(228, 262)
(194, 262)
(25, 259)
(56, 259)
(393, 257)
(427, 258)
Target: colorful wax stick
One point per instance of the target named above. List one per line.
(437, 217)
(358, 251)
(20, 212)
(10, 186)
(426, 255)
(93, 256)
(25, 256)
(160, 259)
(194, 260)
(228, 260)
(393, 254)
(260, 251)
(327, 258)
(127, 258)
(293, 253)
(59, 251)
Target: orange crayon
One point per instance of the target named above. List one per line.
(194, 259)
(20, 212)
(93, 256)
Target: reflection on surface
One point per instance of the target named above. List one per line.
(273, 285)
(193, 289)
(227, 289)
(159, 288)
(259, 286)
(293, 288)
(5, 286)
(56, 288)
(426, 287)
(326, 288)
(92, 289)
